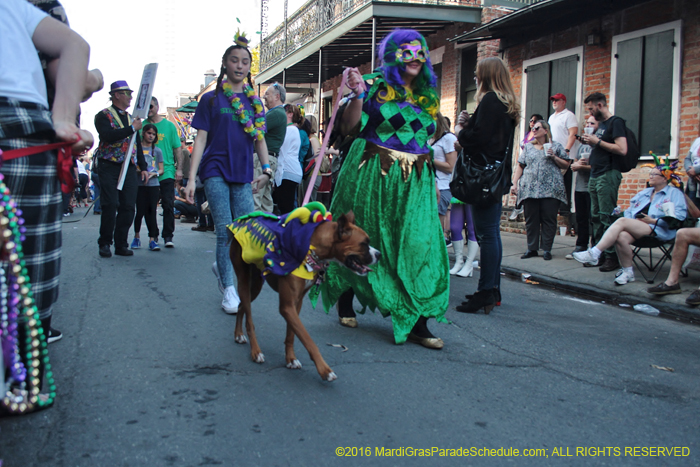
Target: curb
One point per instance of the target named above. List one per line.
(674, 311)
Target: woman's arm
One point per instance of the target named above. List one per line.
(353, 111)
(448, 165)
(516, 178)
(261, 150)
(200, 143)
(57, 40)
(559, 157)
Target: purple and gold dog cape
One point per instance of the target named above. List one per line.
(280, 245)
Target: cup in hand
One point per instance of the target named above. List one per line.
(547, 147)
(588, 130)
(669, 209)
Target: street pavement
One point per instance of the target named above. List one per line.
(148, 374)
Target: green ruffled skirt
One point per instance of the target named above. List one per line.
(401, 219)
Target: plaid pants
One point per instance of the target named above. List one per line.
(34, 185)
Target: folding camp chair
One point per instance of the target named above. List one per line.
(651, 243)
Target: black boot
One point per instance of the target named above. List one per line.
(496, 292)
(485, 299)
(346, 314)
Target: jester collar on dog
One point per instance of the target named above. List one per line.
(281, 245)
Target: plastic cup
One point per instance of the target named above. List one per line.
(547, 147)
(562, 231)
(588, 130)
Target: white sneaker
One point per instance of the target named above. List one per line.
(585, 257)
(623, 277)
(215, 270)
(231, 301)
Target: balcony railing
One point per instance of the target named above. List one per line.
(317, 16)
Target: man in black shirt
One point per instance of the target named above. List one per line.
(609, 145)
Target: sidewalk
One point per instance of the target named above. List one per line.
(570, 275)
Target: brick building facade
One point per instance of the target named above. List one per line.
(597, 69)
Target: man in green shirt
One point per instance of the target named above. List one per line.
(276, 123)
(169, 144)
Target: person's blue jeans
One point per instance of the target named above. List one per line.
(97, 207)
(226, 200)
(487, 223)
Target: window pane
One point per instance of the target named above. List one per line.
(655, 131)
(628, 82)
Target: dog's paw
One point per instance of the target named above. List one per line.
(331, 376)
(241, 339)
(294, 364)
(259, 358)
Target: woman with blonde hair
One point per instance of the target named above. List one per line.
(488, 134)
(539, 184)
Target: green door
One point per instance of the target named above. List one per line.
(564, 73)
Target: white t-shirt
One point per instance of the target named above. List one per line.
(81, 168)
(443, 146)
(560, 123)
(21, 76)
(288, 165)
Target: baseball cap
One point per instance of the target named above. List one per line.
(558, 97)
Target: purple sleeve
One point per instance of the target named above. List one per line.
(203, 112)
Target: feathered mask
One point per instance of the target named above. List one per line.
(668, 169)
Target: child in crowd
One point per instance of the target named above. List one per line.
(149, 191)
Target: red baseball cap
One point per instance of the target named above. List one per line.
(558, 97)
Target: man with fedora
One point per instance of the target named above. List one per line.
(116, 128)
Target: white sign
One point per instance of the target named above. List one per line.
(143, 102)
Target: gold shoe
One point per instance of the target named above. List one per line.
(429, 342)
(348, 322)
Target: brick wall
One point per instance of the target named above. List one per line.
(597, 59)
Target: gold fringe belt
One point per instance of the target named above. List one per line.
(387, 157)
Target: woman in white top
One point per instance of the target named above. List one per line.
(289, 174)
(444, 158)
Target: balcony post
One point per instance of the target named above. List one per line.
(319, 97)
(374, 41)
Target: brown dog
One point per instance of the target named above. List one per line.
(340, 241)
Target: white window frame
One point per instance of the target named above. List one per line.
(677, 77)
(548, 58)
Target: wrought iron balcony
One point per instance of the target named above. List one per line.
(317, 16)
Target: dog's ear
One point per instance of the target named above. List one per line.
(344, 223)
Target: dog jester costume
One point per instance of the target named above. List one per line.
(281, 245)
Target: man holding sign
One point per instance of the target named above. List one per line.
(116, 128)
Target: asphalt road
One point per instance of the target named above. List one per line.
(148, 374)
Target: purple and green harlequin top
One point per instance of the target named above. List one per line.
(401, 126)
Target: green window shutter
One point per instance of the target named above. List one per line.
(655, 125)
(628, 83)
(537, 99)
(564, 81)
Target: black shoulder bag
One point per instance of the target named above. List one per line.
(482, 184)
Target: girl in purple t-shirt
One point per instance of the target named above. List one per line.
(231, 125)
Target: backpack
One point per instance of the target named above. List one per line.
(630, 160)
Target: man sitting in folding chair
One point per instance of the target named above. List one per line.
(684, 238)
(645, 217)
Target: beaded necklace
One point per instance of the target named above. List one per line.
(15, 298)
(255, 126)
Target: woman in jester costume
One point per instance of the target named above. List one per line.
(387, 179)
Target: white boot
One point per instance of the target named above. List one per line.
(458, 245)
(472, 250)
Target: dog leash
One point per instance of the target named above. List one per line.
(327, 136)
(65, 160)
